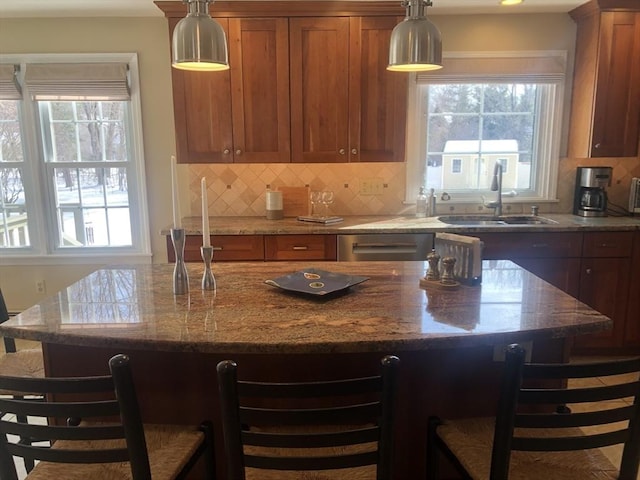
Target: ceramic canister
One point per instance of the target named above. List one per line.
(274, 205)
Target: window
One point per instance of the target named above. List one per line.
(71, 159)
(483, 109)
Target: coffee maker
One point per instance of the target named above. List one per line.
(590, 198)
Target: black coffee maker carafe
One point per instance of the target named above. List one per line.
(590, 198)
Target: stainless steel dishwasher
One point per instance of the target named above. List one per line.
(384, 246)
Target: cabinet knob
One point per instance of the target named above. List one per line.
(226, 151)
(588, 271)
(354, 151)
(238, 152)
(342, 151)
(597, 145)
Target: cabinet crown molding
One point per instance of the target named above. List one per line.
(321, 8)
(598, 6)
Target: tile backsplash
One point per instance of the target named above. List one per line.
(239, 190)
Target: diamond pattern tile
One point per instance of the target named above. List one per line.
(240, 189)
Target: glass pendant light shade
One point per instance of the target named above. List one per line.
(415, 44)
(199, 42)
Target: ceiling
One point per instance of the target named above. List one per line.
(146, 8)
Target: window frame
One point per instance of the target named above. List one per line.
(38, 187)
(549, 132)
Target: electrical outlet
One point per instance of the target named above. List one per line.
(371, 186)
(41, 287)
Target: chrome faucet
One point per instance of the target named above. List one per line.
(496, 186)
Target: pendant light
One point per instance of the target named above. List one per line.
(199, 42)
(415, 44)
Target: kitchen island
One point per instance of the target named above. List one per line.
(446, 340)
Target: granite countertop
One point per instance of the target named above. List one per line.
(395, 224)
(133, 307)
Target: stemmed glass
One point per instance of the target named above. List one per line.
(327, 199)
(316, 198)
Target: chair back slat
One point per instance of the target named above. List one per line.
(582, 370)
(312, 463)
(332, 388)
(54, 432)
(353, 414)
(585, 419)
(311, 440)
(59, 409)
(72, 385)
(563, 444)
(579, 395)
(56, 455)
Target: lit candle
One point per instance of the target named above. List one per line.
(206, 240)
(177, 221)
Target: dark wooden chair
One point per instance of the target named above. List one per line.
(95, 431)
(321, 426)
(531, 437)
(19, 363)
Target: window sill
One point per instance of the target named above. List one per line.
(89, 259)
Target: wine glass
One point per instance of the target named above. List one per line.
(316, 198)
(327, 199)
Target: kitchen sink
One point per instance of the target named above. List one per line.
(491, 220)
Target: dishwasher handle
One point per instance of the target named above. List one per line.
(384, 247)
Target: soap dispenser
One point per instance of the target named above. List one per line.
(421, 204)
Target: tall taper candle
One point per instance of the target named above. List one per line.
(206, 240)
(177, 221)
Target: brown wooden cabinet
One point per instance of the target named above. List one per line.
(604, 285)
(554, 257)
(240, 115)
(300, 247)
(632, 325)
(245, 248)
(601, 269)
(605, 110)
(345, 105)
(307, 83)
(226, 248)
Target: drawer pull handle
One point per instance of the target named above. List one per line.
(588, 271)
(607, 245)
(540, 245)
(217, 249)
(300, 248)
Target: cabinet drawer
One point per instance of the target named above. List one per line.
(607, 244)
(226, 248)
(300, 247)
(500, 246)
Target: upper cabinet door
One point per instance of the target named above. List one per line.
(202, 110)
(259, 58)
(377, 97)
(319, 64)
(617, 104)
(605, 108)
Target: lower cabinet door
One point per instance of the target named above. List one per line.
(604, 286)
(226, 248)
(300, 247)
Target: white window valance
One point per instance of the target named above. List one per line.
(524, 67)
(9, 87)
(78, 81)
